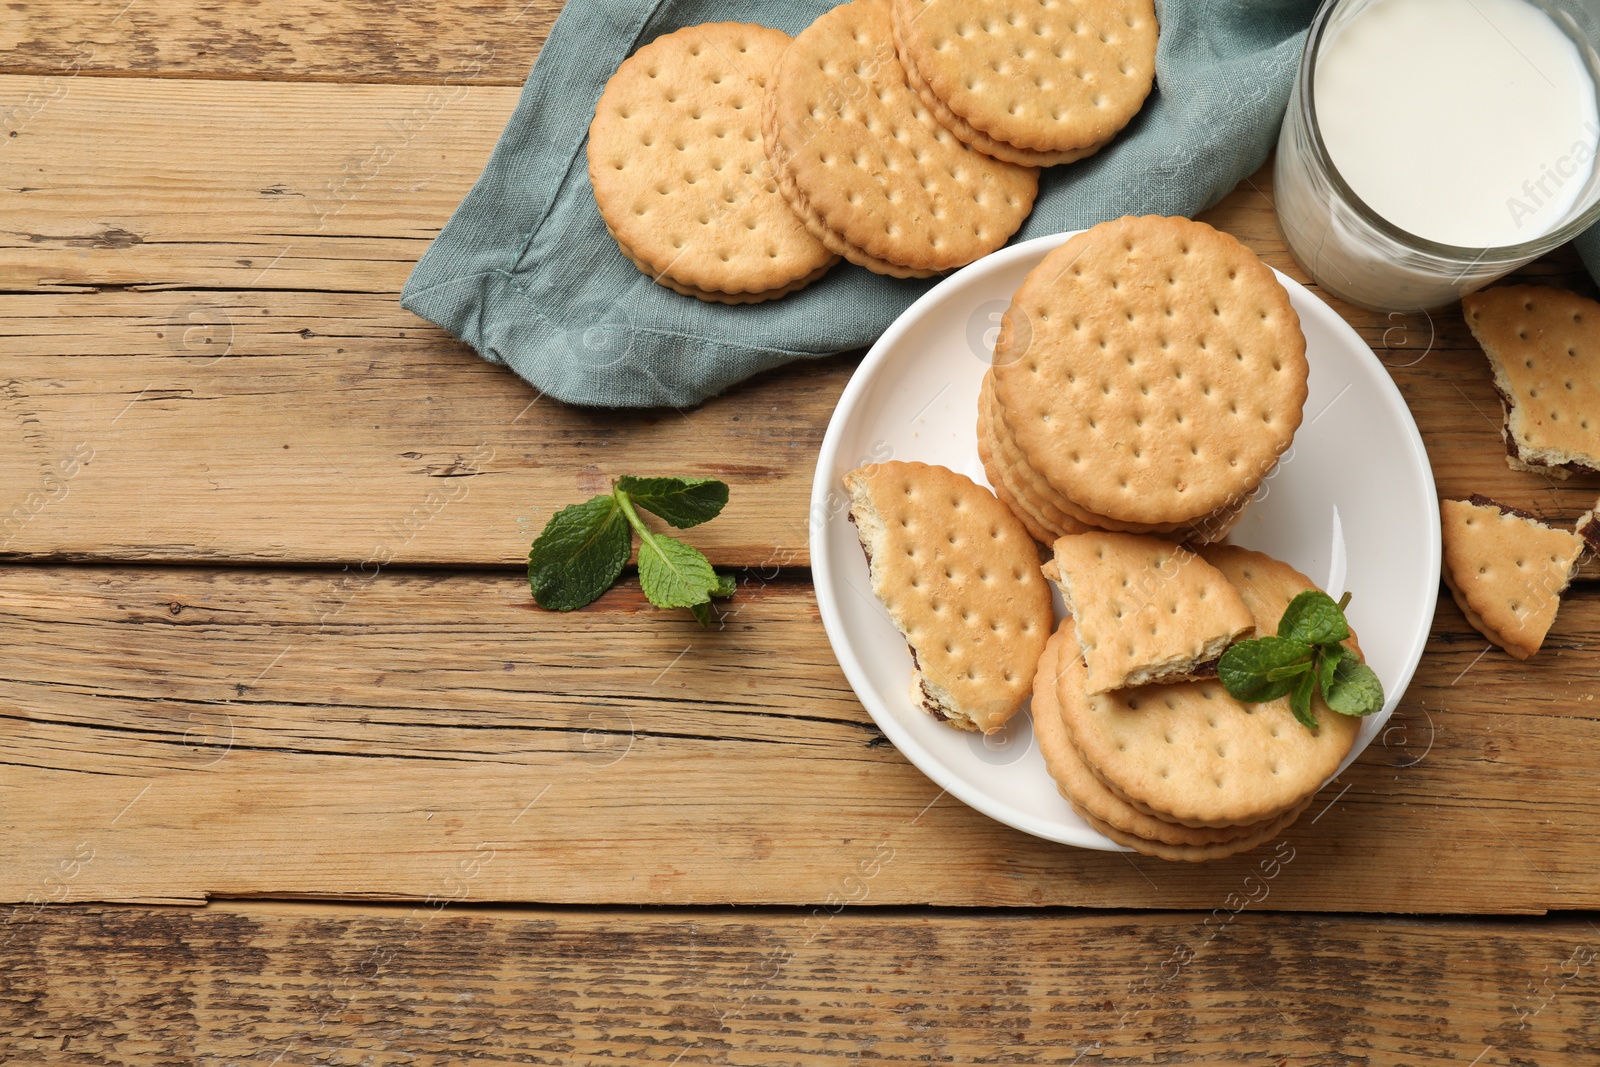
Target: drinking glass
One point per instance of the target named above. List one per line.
(1356, 254)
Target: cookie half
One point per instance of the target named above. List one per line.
(1147, 611)
(1506, 570)
(1033, 83)
(959, 577)
(680, 173)
(1544, 347)
(869, 169)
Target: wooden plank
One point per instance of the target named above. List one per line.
(307, 983)
(233, 185)
(440, 41)
(334, 427)
(185, 732)
(193, 389)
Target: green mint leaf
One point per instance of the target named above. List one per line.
(1328, 657)
(1314, 618)
(673, 574)
(683, 502)
(1354, 689)
(702, 614)
(727, 585)
(1263, 669)
(1300, 699)
(579, 554)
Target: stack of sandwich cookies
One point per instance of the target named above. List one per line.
(1544, 350)
(865, 165)
(1184, 770)
(1507, 570)
(1105, 811)
(680, 173)
(1036, 84)
(1147, 376)
(959, 577)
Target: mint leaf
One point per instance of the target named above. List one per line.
(1354, 688)
(1328, 657)
(705, 613)
(673, 574)
(683, 502)
(1314, 618)
(580, 553)
(1300, 699)
(1263, 669)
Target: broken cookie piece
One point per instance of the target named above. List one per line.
(1544, 348)
(1506, 570)
(1147, 610)
(959, 576)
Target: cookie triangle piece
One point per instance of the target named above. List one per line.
(1146, 610)
(1544, 347)
(1506, 570)
(960, 579)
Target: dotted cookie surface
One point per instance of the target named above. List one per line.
(1033, 81)
(680, 173)
(959, 576)
(1151, 370)
(872, 172)
(1146, 609)
(1544, 346)
(1506, 572)
(1190, 753)
(1054, 511)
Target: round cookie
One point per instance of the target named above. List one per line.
(1151, 370)
(1034, 83)
(680, 173)
(1189, 752)
(868, 168)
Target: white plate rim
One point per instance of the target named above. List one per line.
(822, 561)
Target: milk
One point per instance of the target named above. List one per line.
(1467, 131)
(1466, 122)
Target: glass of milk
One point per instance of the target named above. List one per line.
(1432, 146)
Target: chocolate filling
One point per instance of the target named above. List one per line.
(1479, 500)
(927, 701)
(1590, 532)
(1515, 453)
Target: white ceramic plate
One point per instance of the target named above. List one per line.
(1352, 505)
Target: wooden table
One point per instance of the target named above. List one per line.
(268, 654)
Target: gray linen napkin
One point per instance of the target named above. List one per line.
(525, 272)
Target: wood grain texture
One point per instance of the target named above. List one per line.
(172, 733)
(371, 41)
(205, 339)
(233, 185)
(304, 427)
(301, 984)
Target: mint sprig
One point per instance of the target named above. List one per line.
(1306, 655)
(583, 548)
